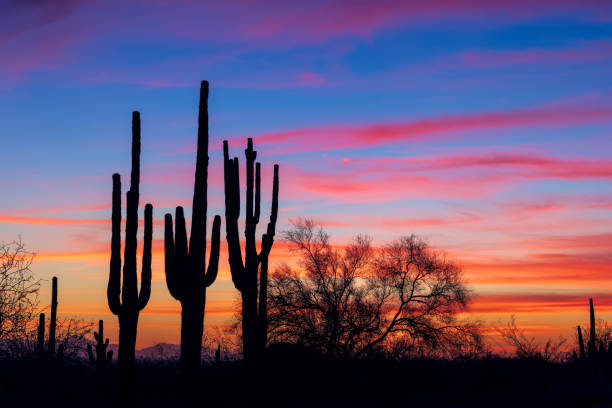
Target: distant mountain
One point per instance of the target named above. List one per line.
(159, 351)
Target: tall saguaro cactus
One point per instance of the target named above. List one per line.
(250, 277)
(127, 302)
(186, 274)
(53, 320)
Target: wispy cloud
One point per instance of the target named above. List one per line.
(361, 136)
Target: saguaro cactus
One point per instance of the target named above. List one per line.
(40, 340)
(53, 320)
(581, 343)
(126, 302)
(186, 274)
(592, 344)
(245, 275)
(102, 357)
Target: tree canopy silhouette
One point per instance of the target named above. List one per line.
(18, 290)
(356, 301)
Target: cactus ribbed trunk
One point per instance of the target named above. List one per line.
(192, 330)
(250, 277)
(53, 320)
(127, 302)
(185, 262)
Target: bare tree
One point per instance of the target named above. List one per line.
(18, 290)
(528, 347)
(356, 301)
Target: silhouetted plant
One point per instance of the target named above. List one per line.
(186, 274)
(126, 302)
(355, 301)
(528, 348)
(251, 276)
(581, 343)
(18, 290)
(218, 354)
(102, 358)
(599, 341)
(53, 320)
(40, 339)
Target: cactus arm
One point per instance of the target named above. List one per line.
(251, 155)
(266, 242)
(236, 185)
(90, 353)
(170, 262)
(213, 262)
(109, 357)
(180, 249)
(114, 277)
(250, 224)
(232, 212)
(268, 238)
(257, 193)
(145, 274)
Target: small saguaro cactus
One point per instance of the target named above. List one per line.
(218, 354)
(53, 320)
(592, 344)
(186, 275)
(581, 344)
(40, 340)
(250, 277)
(596, 350)
(102, 357)
(127, 302)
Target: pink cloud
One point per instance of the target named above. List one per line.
(383, 179)
(595, 51)
(19, 17)
(318, 20)
(354, 136)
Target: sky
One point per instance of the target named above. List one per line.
(484, 127)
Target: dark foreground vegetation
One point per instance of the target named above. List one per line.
(304, 381)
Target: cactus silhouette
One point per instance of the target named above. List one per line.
(218, 354)
(581, 343)
(597, 353)
(592, 344)
(245, 275)
(185, 262)
(40, 340)
(53, 320)
(102, 358)
(126, 302)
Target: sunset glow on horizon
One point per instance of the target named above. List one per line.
(483, 127)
